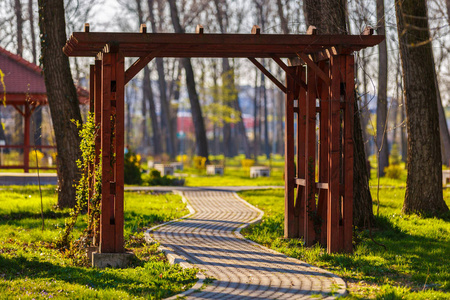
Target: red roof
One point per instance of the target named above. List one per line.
(24, 81)
(20, 76)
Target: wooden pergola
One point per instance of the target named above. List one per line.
(319, 93)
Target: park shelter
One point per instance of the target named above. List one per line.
(22, 86)
(319, 92)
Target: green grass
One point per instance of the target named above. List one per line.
(31, 267)
(234, 177)
(415, 265)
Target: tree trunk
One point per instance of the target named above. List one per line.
(329, 15)
(166, 124)
(148, 96)
(32, 33)
(364, 108)
(19, 26)
(382, 105)
(37, 115)
(255, 119)
(424, 182)
(62, 97)
(196, 110)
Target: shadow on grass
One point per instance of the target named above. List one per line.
(410, 259)
(31, 268)
(48, 214)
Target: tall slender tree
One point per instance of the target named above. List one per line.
(196, 110)
(167, 127)
(329, 18)
(382, 103)
(148, 99)
(62, 97)
(424, 181)
(222, 18)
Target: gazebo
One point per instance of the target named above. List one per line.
(319, 93)
(22, 86)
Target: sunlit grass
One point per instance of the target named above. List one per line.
(235, 177)
(415, 266)
(30, 266)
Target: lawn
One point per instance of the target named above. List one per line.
(31, 266)
(415, 265)
(234, 176)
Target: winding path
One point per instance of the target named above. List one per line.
(210, 240)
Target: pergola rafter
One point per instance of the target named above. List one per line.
(319, 94)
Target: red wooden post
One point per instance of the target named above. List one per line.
(334, 158)
(106, 217)
(97, 107)
(98, 120)
(26, 139)
(119, 151)
(324, 92)
(348, 154)
(301, 127)
(310, 158)
(289, 224)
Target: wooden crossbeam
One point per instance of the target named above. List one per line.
(268, 74)
(286, 69)
(315, 67)
(140, 63)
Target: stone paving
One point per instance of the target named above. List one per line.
(210, 240)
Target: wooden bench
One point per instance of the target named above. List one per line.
(177, 166)
(164, 169)
(259, 172)
(445, 177)
(214, 170)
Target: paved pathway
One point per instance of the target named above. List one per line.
(242, 269)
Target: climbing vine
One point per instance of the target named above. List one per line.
(86, 199)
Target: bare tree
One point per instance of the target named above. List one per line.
(424, 181)
(382, 105)
(222, 18)
(197, 116)
(62, 97)
(167, 127)
(148, 99)
(19, 24)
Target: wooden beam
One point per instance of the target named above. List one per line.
(199, 29)
(301, 151)
(106, 215)
(286, 68)
(300, 181)
(367, 31)
(268, 74)
(143, 28)
(256, 29)
(314, 67)
(140, 64)
(213, 45)
(312, 30)
(289, 161)
(310, 158)
(334, 122)
(119, 157)
(348, 153)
